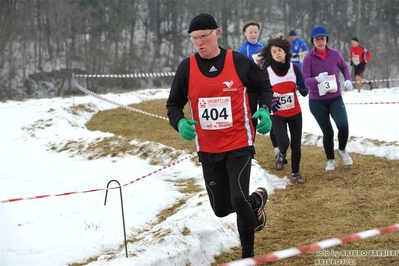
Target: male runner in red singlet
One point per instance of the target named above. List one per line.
(223, 89)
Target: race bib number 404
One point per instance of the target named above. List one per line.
(215, 113)
(328, 85)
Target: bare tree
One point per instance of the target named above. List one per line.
(42, 41)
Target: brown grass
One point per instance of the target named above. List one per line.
(331, 204)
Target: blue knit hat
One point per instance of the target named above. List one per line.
(292, 32)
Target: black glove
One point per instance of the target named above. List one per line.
(303, 91)
(351, 63)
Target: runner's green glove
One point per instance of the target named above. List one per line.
(265, 123)
(186, 129)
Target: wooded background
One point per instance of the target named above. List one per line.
(42, 42)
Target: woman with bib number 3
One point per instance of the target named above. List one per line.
(320, 72)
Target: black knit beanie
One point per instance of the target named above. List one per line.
(203, 21)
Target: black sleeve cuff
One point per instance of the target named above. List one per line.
(264, 106)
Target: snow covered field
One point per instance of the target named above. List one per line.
(60, 230)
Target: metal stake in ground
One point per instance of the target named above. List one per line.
(123, 214)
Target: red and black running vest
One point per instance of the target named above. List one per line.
(284, 87)
(220, 105)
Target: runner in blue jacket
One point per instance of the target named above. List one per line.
(320, 71)
(251, 46)
(298, 49)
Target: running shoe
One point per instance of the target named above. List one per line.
(260, 211)
(285, 159)
(297, 179)
(279, 162)
(345, 157)
(330, 165)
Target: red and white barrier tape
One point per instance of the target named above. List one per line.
(98, 189)
(137, 75)
(375, 80)
(165, 118)
(171, 74)
(346, 103)
(376, 103)
(286, 253)
(113, 102)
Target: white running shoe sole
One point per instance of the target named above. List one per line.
(330, 165)
(346, 159)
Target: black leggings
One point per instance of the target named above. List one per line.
(273, 138)
(227, 184)
(321, 110)
(280, 130)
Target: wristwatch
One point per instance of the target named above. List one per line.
(265, 106)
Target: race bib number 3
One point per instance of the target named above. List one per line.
(215, 113)
(328, 85)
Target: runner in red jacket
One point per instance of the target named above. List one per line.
(359, 56)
